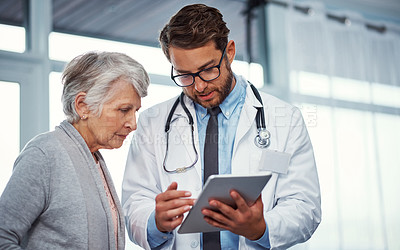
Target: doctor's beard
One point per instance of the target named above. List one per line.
(222, 91)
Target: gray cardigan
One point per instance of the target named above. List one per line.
(55, 198)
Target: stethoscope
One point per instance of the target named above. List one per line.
(262, 139)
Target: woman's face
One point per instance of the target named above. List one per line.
(117, 119)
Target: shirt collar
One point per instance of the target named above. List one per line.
(228, 106)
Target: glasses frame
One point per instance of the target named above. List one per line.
(218, 66)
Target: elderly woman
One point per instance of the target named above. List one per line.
(60, 195)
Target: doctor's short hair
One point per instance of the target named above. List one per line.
(192, 27)
(94, 73)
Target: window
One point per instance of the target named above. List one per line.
(9, 129)
(12, 38)
(357, 153)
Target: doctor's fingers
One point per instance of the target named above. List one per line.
(170, 214)
(225, 214)
(169, 224)
(241, 215)
(217, 219)
(172, 186)
(163, 206)
(250, 224)
(172, 195)
(242, 205)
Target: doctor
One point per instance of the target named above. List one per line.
(165, 171)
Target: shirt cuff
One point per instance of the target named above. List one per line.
(264, 240)
(154, 236)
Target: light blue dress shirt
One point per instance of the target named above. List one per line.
(228, 119)
(227, 125)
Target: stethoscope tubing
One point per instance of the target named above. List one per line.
(262, 140)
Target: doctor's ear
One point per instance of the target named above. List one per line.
(231, 51)
(80, 106)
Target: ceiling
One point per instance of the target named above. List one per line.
(134, 21)
(139, 21)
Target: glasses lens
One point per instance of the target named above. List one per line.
(210, 73)
(184, 80)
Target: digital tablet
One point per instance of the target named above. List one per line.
(218, 187)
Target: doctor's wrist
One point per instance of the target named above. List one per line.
(259, 232)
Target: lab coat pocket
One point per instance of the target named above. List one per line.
(274, 161)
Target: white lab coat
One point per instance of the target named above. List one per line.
(292, 203)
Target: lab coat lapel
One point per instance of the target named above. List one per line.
(247, 116)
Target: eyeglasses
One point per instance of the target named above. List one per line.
(208, 74)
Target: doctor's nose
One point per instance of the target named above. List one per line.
(199, 84)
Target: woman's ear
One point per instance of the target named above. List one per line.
(80, 106)
(231, 50)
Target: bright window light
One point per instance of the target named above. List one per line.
(323, 141)
(386, 95)
(55, 105)
(159, 93)
(12, 38)
(351, 90)
(355, 151)
(307, 83)
(9, 129)
(252, 72)
(65, 47)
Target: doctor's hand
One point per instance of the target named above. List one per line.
(245, 220)
(170, 207)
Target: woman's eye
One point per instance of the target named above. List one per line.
(124, 110)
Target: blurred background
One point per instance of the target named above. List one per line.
(337, 60)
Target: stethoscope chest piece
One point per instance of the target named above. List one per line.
(262, 140)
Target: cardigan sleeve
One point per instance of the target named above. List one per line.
(24, 198)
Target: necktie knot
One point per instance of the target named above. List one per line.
(214, 111)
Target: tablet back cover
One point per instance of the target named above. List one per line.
(218, 187)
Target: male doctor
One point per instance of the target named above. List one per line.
(164, 175)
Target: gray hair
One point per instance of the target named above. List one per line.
(94, 73)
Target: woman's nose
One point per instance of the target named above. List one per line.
(131, 122)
